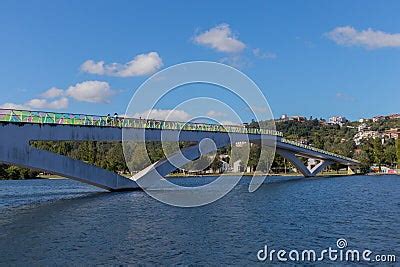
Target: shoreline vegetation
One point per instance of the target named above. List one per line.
(180, 175)
(377, 152)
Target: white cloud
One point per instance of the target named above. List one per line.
(142, 64)
(88, 91)
(164, 114)
(349, 36)
(214, 114)
(258, 53)
(53, 92)
(344, 97)
(37, 103)
(221, 39)
(93, 67)
(236, 61)
(14, 106)
(91, 91)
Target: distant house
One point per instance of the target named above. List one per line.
(383, 169)
(363, 127)
(363, 120)
(238, 166)
(387, 117)
(392, 133)
(298, 118)
(339, 120)
(358, 137)
(285, 117)
(394, 116)
(378, 118)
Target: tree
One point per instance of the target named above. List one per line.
(390, 153)
(216, 164)
(398, 152)
(378, 152)
(365, 160)
(3, 173)
(254, 156)
(13, 173)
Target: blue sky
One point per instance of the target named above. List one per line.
(312, 58)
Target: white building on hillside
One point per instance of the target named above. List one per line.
(339, 120)
(358, 137)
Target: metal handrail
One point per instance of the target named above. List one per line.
(43, 117)
(316, 149)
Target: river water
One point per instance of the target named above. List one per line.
(48, 222)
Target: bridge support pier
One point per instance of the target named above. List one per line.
(320, 167)
(150, 176)
(300, 165)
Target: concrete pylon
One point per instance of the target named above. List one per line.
(300, 166)
(350, 171)
(151, 175)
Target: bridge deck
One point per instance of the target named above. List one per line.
(53, 118)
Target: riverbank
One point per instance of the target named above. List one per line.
(180, 175)
(50, 177)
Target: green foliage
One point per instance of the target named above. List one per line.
(216, 164)
(398, 153)
(389, 153)
(14, 172)
(365, 159)
(384, 124)
(378, 151)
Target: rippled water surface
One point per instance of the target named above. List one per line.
(47, 222)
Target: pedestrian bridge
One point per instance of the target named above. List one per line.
(18, 128)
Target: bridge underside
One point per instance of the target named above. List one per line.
(15, 149)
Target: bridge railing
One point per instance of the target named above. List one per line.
(42, 117)
(316, 149)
